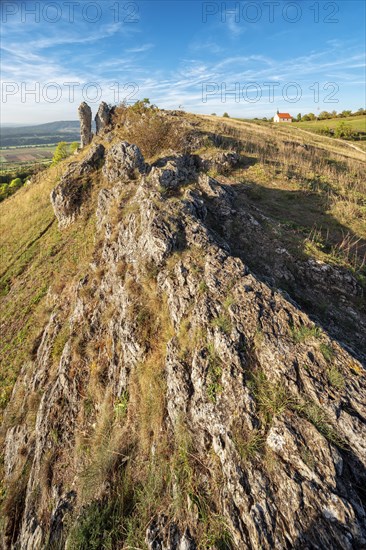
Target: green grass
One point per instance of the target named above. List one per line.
(304, 333)
(36, 257)
(336, 378)
(223, 323)
(250, 445)
(358, 123)
(272, 398)
(318, 417)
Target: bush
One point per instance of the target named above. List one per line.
(344, 130)
(152, 130)
(60, 153)
(325, 131)
(17, 182)
(74, 146)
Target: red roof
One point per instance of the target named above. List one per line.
(284, 115)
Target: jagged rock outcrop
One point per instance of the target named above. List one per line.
(67, 197)
(102, 118)
(85, 116)
(171, 172)
(264, 413)
(222, 162)
(123, 161)
(164, 535)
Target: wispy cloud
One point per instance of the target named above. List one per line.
(140, 49)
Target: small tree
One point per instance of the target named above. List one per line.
(74, 146)
(17, 182)
(226, 115)
(60, 153)
(298, 117)
(324, 115)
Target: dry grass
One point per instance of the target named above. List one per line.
(36, 259)
(128, 433)
(152, 130)
(305, 183)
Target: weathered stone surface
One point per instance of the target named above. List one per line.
(301, 485)
(102, 118)
(162, 535)
(85, 116)
(122, 161)
(67, 197)
(172, 172)
(223, 162)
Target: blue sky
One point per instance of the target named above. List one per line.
(247, 58)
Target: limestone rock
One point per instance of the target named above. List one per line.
(122, 160)
(102, 118)
(162, 535)
(67, 197)
(174, 171)
(278, 453)
(85, 116)
(222, 162)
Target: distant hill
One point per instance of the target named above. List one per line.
(13, 125)
(50, 132)
(42, 129)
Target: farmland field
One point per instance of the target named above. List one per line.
(14, 157)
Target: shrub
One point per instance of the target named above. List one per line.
(99, 526)
(61, 152)
(344, 130)
(17, 182)
(74, 146)
(152, 130)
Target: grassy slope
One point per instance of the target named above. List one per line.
(37, 258)
(358, 123)
(324, 192)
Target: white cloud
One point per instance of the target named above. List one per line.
(139, 49)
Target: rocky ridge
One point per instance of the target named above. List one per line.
(272, 407)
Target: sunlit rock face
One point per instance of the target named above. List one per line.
(102, 118)
(85, 116)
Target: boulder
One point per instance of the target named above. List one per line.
(67, 197)
(174, 171)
